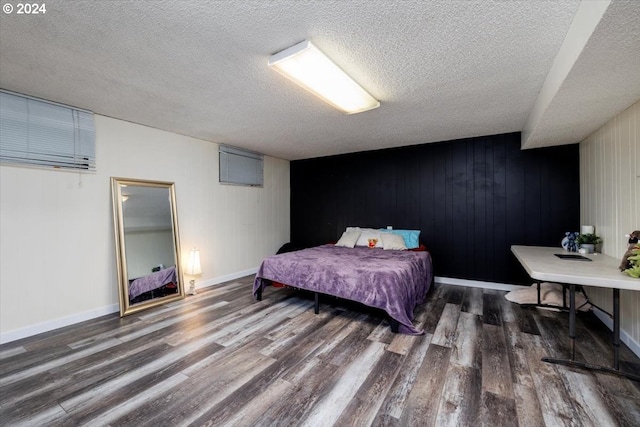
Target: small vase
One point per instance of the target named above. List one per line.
(589, 248)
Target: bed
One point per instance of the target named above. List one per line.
(394, 281)
(159, 283)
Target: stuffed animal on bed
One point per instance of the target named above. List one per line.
(629, 261)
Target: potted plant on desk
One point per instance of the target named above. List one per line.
(588, 242)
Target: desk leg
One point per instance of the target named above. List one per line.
(540, 304)
(616, 340)
(616, 329)
(572, 320)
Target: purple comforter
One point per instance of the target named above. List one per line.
(394, 281)
(152, 281)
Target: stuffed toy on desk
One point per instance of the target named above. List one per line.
(631, 259)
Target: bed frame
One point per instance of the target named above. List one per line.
(393, 323)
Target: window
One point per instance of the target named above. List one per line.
(40, 133)
(241, 167)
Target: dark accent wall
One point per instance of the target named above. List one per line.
(471, 198)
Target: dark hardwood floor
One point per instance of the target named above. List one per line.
(220, 358)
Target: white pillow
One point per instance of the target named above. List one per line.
(349, 239)
(393, 242)
(369, 233)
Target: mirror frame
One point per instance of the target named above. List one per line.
(121, 256)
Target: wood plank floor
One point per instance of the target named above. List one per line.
(220, 358)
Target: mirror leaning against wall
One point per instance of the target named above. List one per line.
(147, 243)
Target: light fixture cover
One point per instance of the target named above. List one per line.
(193, 265)
(307, 66)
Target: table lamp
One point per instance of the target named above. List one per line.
(193, 269)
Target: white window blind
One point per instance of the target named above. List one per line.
(42, 133)
(241, 167)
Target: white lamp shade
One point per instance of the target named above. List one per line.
(587, 229)
(193, 265)
(307, 66)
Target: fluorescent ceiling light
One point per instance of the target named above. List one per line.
(313, 70)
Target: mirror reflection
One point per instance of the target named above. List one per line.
(147, 243)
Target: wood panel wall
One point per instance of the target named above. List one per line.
(472, 199)
(610, 200)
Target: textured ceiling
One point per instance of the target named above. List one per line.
(441, 69)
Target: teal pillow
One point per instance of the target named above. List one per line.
(411, 237)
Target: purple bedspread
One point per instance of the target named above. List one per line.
(152, 281)
(394, 281)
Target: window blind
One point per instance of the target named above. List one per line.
(41, 133)
(241, 167)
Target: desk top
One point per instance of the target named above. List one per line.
(602, 271)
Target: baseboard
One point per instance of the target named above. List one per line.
(39, 328)
(50, 325)
(624, 336)
(477, 284)
(225, 278)
(633, 345)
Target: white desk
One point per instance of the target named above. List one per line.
(541, 263)
(602, 271)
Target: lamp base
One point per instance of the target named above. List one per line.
(192, 287)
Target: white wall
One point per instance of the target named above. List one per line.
(57, 256)
(610, 200)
